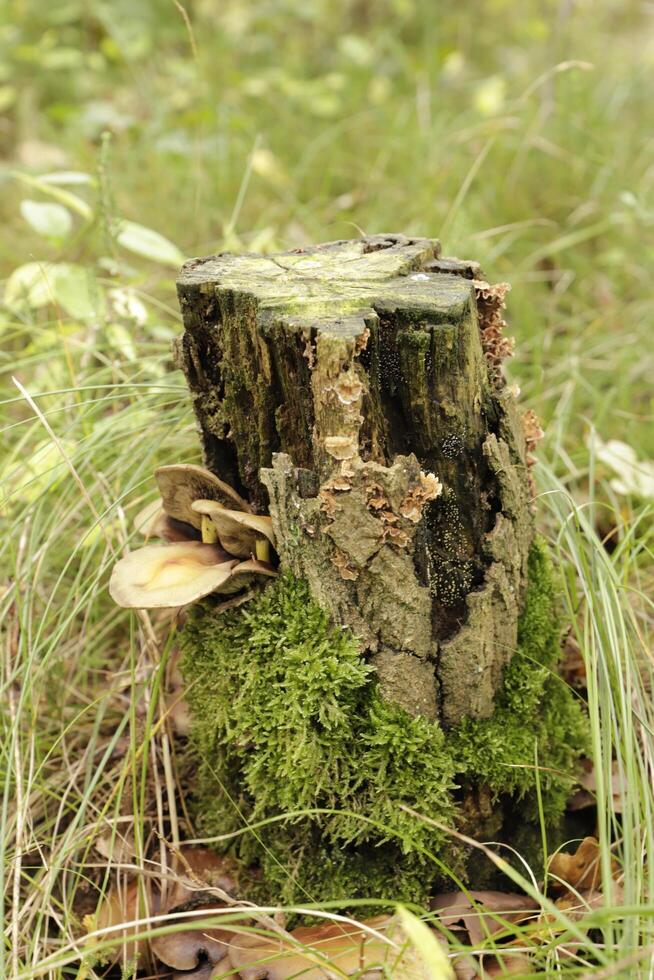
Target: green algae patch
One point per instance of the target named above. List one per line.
(310, 777)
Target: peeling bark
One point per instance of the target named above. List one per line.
(330, 385)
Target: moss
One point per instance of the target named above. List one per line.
(294, 743)
(537, 718)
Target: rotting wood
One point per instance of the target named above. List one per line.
(341, 383)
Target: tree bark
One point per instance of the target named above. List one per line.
(335, 386)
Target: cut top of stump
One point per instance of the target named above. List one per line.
(334, 286)
(310, 352)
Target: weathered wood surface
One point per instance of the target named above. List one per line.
(329, 383)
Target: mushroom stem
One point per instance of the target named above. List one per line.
(209, 530)
(262, 549)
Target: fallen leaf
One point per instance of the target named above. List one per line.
(194, 869)
(577, 907)
(573, 668)
(126, 903)
(587, 795)
(115, 846)
(508, 964)
(424, 956)
(481, 913)
(310, 950)
(581, 870)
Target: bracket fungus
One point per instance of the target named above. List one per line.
(214, 543)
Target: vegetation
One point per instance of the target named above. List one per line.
(518, 136)
(278, 695)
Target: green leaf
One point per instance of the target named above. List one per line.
(69, 200)
(77, 291)
(36, 284)
(27, 286)
(70, 177)
(148, 243)
(48, 220)
(121, 340)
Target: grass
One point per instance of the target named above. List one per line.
(520, 140)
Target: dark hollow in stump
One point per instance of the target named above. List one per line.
(339, 387)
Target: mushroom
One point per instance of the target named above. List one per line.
(198, 876)
(153, 522)
(193, 949)
(196, 949)
(203, 972)
(182, 483)
(240, 534)
(195, 505)
(169, 575)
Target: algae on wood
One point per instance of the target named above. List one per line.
(338, 385)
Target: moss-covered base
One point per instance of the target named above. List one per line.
(314, 773)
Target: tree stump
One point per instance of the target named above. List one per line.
(405, 662)
(354, 390)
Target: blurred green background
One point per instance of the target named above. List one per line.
(518, 133)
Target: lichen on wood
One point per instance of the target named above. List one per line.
(336, 384)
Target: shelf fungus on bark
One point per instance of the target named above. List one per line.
(214, 543)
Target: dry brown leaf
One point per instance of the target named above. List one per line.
(115, 846)
(481, 913)
(311, 951)
(581, 870)
(193, 870)
(507, 964)
(127, 902)
(586, 796)
(573, 668)
(577, 907)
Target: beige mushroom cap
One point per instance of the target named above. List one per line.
(182, 483)
(169, 575)
(238, 532)
(153, 522)
(185, 950)
(147, 517)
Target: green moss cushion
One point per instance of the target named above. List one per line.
(319, 780)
